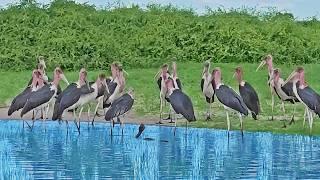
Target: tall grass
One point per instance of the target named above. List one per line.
(75, 35)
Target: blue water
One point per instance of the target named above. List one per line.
(48, 152)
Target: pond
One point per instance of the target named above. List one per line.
(49, 152)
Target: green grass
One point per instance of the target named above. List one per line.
(147, 94)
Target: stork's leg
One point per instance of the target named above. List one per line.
(88, 114)
(228, 120)
(308, 113)
(111, 126)
(47, 111)
(95, 112)
(122, 126)
(33, 115)
(283, 108)
(272, 105)
(161, 109)
(311, 121)
(208, 111)
(79, 119)
(175, 124)
(241, 124)
(294, 111)
(304, 116)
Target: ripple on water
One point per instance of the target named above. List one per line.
(48, 152)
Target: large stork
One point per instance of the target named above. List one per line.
(164, 75)
(81, 83)
(305, 94)
(119, 108)
(229, 98)
(248, 93)
(20, 100)
(207, 88)
(41, 98)
(180, 102)
(268, 61)
(283, 90)
(80, 97)
(115, 86)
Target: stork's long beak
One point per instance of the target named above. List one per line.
(261, 64)
(157, 74)
(290, 77)
(63, 77)
(125, 72)
(234, 75)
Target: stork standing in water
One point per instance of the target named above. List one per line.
(81, 83)
(119, 108)
(268, 61)
(20, 100)
(305, 94)
(248, 94)
(284, 90)
(207, 88)
(180, 103)
(42, 98)
(229, 98)
(80, 97)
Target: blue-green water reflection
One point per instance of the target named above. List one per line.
(48, 152)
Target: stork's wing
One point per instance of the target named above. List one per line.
(202, 84)
(159, 82)
(182, 104)
(119, 107)
(179, 83)
(37, 98)
(228, 97)
(19, 101)
(310, 98)
(250, 97)
(86, 88)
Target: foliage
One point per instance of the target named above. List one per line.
(74, 35)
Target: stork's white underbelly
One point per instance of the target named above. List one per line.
(281, 93)
(208, 90)
(84, 99)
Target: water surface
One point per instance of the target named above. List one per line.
(49, 152)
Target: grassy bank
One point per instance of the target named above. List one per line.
(76, 35)
(147, 94)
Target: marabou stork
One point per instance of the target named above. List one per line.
(120, 107)
(207, 87)
(248, 94)
(180, 103)
(268, 61)
(80, 97)
(164, 75)
(43, 97)
(20, 100)
(41, 66)
(81, 83)
(115, 87)
(229, 98)
(305, 94)
(283, 90)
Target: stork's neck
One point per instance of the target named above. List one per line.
(205, 72)
(217, 81)
(56, 80)
(239, 78)
(302, 81)
(270, 67)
